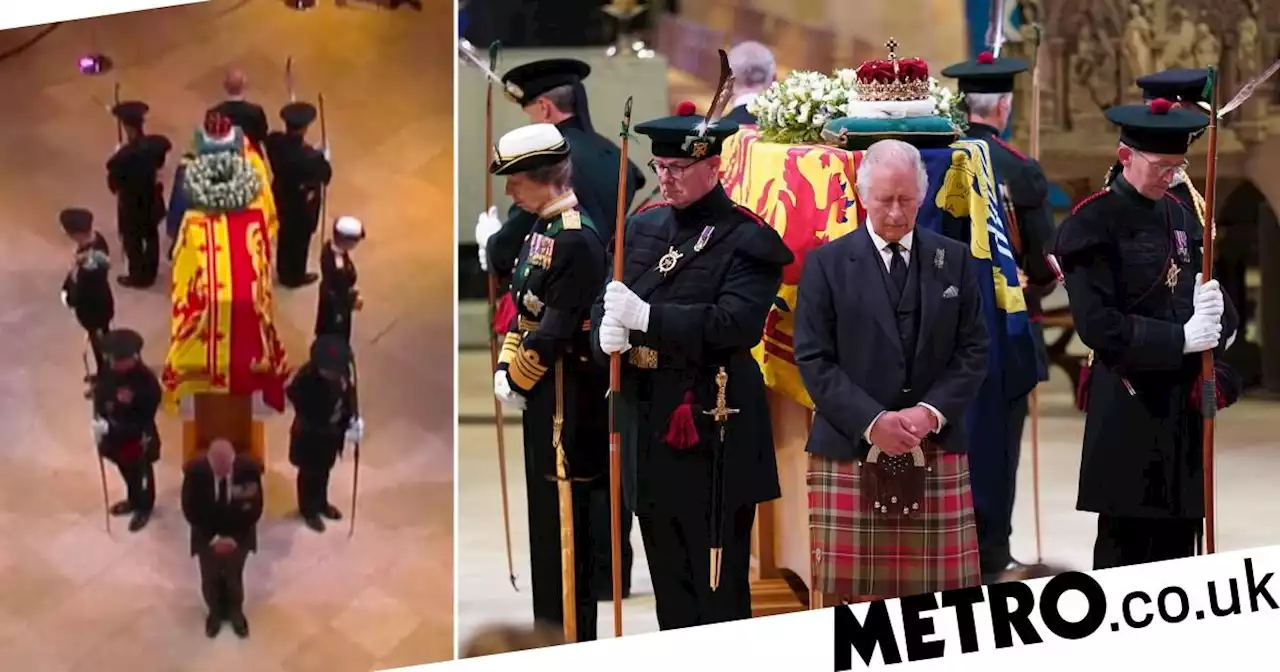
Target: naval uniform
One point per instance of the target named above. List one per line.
(133, 178)
(337, 293)
(299, 174)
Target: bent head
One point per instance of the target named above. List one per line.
(684, 181)
(891, 186)
(754, 67)
(552, 107)
(222, 456)
(1150, 173)
(533, 190)
(235, 83)
(992, 109)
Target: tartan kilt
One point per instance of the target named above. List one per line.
(859, 555)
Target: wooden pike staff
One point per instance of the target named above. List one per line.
(492, 281)
(1035, 391)
(1208, 382)
(115, 98)
(324, 189)
(615, 387)
(355, 466)
(102, 468)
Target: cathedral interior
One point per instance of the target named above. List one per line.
(73, 597)
(1092, 50)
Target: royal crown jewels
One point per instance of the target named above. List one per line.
(893, 78)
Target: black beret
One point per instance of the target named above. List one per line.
(122, 344)
(986, 74)
(298, 115)
(527, 148)
(131, 112)
(1157, 127)
(682, 135)
(536, 78)
(76, 220)
(330, 353)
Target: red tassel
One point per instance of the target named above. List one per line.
(1082, 390)
(503, 313)
(682, 434)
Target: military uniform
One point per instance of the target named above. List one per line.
(545, 368)
(133, 177)
(86, 289)
(339, 297)
(325, 418)
(126, 398)
(1024, 192)
(299, 174)
(1130, 264)
(595, 182)
(698, 284)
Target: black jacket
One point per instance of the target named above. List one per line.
(238, 519)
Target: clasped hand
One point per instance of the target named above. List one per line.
(898, 432)
(502, 390)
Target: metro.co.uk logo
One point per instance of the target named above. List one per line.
(1010, 610)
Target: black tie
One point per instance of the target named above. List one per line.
(222, 492)
(898, 268)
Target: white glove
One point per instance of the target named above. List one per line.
(502, 390)
(623, 305)
(99, 427)
(1208, 299)
(1201, 333)
(487, 224)
(327, 151)
(64, 301)
(355, 430)
(613, 336)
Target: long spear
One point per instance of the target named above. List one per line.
(615, 386)
(1035, 391)
(355, 467)
(493, 303)
(1209, 387)
(102, 469)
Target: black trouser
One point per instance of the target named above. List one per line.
(222, 581)
(141, 242)
(678, 550)
(293, 245)
(139, 483)
(602, 540)
(313, 490)
(996, 527)
(1124, 541)
(95, 346)
(546, 569)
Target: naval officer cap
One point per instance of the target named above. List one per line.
(298, 115)
(527, 148)
(330, 353)
(986, 74)
(122, 344)
(1180, 85)
(76, 220)
(1157, 127)
(348, 228)
(684, 135)
(537, 78)
(131, 112)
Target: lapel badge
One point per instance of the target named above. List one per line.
(668, 261)
(939, 258)
(703, 238)
(532, 303)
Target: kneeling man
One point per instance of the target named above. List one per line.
(892, 346)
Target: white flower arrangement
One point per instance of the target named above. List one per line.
(221, 182)
(795, 110)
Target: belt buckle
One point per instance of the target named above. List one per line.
(643, 357)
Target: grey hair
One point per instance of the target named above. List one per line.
(753, 65)
(984, 104)
(221, 445)
(561, 98)
(890, 152)
(558, 175)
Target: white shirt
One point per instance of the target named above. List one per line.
(886, 257)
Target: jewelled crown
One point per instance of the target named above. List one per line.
(892, 78)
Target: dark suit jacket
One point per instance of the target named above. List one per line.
(849, 353)
(740, 115)
(239, 520)
(249, 117)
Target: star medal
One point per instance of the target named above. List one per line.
(1171, 278)
(533, 304)
(668, 261)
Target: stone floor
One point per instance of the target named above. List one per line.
(74, 598)
(1248, 458)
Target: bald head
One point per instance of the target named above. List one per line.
(754, 67)
(222, 455)
(235, 83)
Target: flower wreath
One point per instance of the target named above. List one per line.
(221, 182)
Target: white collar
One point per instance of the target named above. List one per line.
(881, 243)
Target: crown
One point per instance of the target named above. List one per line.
(892, 78)
(217, 125)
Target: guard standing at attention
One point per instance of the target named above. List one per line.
(86, 289)
(1131, 256)
(339, 297)
(133, 177)
(700, 276)
(987, 84)
(546, 370)
(299, 174)
(126, 398)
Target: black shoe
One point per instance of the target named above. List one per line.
(123, 508)
(212, 625)
(239, 625)
(139, 521)
(314, 523)
(331, 512)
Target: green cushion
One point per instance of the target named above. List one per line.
(858, 134)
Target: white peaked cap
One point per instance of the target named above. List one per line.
(349, 227)
(529, 139)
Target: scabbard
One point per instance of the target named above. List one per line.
(564, 488)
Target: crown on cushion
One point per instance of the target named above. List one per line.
(217, 125)
(893, 78)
